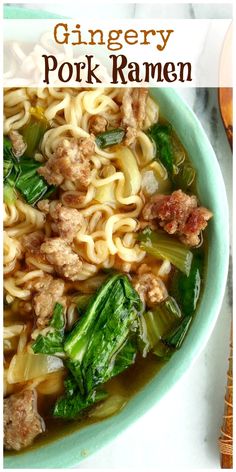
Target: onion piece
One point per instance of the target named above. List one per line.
(109, 407)
(128, 165)
(164, 269)
(105, 193)
(155, 178)
(12, 331)
(7, 388)
(53, 384)
(27, 366)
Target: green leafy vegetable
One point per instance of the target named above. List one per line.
(176, 337)
(99, 336)
(70, 385)
(125, 358)
(7, 147)
(22, 174)
(30, 184)
(9, 194)
(162, 350)
(72, 405)
(52, 342)
(172, 156)
(8, 161)
(156, 324)
(186, 289)
(163, 246)
(82, 302)
(75, 369)
(58, 321)
(10, 172)
(33, 131)
(161, 136)
(110, 138)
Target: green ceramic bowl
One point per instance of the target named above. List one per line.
(70, 450)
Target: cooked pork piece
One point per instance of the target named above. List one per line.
(71, 161)
(196, 222)
(133, 112)
(60, 255)
(130, 135)
(18, 144)
(97, 124)
(66, 222)
(22, 422)
(48, 291)
(134, 107)
(31, 242)
(150, 288)
(178, 214)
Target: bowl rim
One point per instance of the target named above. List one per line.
(100, 434)
(23, 13)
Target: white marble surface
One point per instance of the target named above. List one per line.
(181, 431)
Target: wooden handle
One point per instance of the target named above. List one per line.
(226, 108)
(226, 438)
(225, 76)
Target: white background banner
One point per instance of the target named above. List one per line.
(160, 53)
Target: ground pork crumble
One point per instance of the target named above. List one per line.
(178, 214)
(150, 288)
(61, 256)
(66, 222)
(133, 111)
(22, 422)
(18, 144)
(71, 160)
(97, 124)
(47, 292)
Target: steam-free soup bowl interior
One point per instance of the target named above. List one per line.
(70, 450)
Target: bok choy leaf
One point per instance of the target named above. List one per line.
(30, 184)
(161, 136)
(186, 288)
(176, 337)
(163, 246)
(23, 176)
(125, 358)
(10, 172)
(82, 301)
(9, 194)
(170, 154)
(34, 130)
(158, 323)
(8, 161)
(98, 338)
(52, 342)
(72, 404)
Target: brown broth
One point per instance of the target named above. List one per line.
(126, 384)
